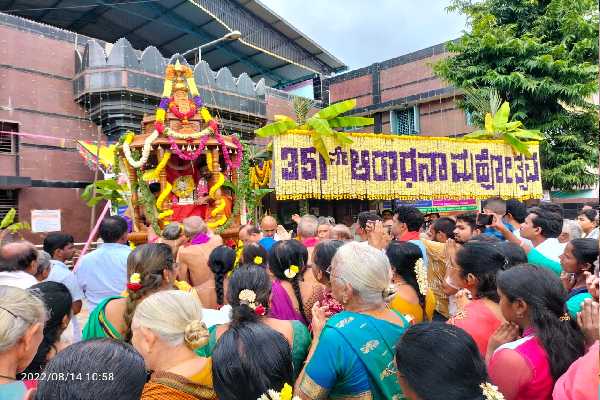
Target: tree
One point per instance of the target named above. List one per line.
(542, 57)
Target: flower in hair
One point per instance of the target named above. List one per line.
(247, 296)
(258, 260)
(565, 317)
(285, 394)
(134, 283)
(421, 274)
(291, 272)
(260, 310)
(491, 392)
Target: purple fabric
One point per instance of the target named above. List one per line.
(200, 238)
(281, 304)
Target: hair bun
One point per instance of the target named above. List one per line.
(196, 334)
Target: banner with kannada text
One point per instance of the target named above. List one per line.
(378, 166)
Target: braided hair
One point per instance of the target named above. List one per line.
(148, 260)
(284, 254)
(220, 262)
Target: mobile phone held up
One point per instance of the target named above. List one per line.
(484, 219)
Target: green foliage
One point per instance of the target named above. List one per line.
(244, 192)
(146, 200)
(542, 57)
(321, 124)
(302, 106)
(497, 127)
(8, 223)
(8, 219)
(107, 189)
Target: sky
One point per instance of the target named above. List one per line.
(362, 32)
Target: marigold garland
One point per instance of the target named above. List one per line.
(260, 177)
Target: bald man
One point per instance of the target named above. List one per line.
(268, 226)
(193, 256)
(18, 264)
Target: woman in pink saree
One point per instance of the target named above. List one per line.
(294, 288)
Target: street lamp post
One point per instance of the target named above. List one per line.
(230, 36)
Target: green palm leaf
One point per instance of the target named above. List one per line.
(528, 134)
(19, 226)
(481, 134)
(276, 128)
(516, 144)
(334, 110)
(322, 130)
(350, 122)
(501, 117)
(8, 218)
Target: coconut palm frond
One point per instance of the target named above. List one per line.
(302, 106)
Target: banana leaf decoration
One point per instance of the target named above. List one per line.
(8, 222)
(321, 125)
(513, 133)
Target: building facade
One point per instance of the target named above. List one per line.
(403, 95)
(58, 87)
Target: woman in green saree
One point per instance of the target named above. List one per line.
(154, 266)
(352, 354)
(252, 280)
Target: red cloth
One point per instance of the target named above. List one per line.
(180, 212)
(409, 236)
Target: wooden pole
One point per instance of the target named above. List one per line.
(98, 137)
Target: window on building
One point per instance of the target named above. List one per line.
(405, 121)
(8, 142)
(469, 118)
(8, 199)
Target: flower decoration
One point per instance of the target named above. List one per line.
(260, 175)
(421, 274)
(247, 296)
(145, 149)
(260, 310)
(491, 392)
(134, 283)
(285, 394)
(291, 272)
(258, 260)
(385, 167)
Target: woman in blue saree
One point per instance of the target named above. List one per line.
(352, 355)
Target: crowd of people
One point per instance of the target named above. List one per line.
(501, 304)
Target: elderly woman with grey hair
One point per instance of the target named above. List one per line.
(43, 266)
(22, 319)
(352, 354)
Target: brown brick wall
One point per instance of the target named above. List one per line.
(359, 88)
(48, 97)
(75, 215)
(409, 72)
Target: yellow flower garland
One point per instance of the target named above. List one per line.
(340, 185)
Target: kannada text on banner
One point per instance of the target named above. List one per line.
(378, 166)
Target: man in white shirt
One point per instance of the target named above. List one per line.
(103, 272)
(61, 248)
(543, 228)
(18, 264)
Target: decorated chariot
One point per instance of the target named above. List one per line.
(180, 165)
